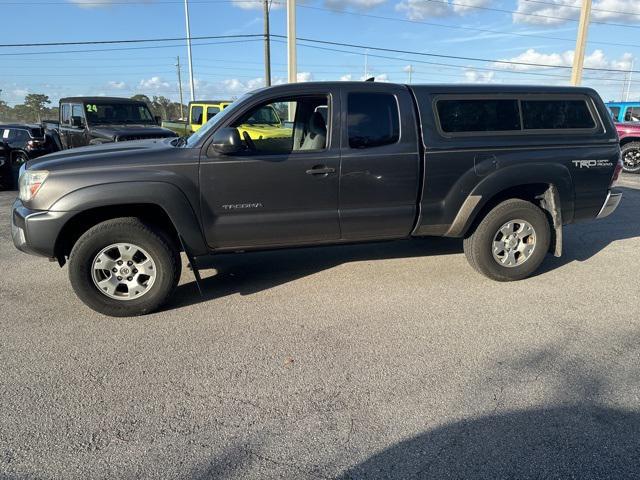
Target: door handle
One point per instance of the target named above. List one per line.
(320, 170)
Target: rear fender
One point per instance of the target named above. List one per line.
(558, 200)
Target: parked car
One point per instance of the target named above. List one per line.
(19, 143)
(629, 134)
(96, 120)
(200, 112)
(625, 111)
(504, 167)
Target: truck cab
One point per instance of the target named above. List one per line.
(625, 111)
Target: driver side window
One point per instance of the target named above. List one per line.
(286, 125)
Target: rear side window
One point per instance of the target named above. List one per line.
(373, 120)
(211, 112)
(66, 114)
(632, 114)
(196, 115)
(615, 111)
(556, 114)
(489, 115)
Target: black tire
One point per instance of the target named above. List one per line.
(631, 149)
(479, 244)
(164, 253)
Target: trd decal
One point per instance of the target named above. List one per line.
(591, 163)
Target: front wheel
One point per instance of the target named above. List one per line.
(123, 267)
(510, 242)
(631, 157)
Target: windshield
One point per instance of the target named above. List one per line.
(263, 116)
(213, 121)
(108, 113)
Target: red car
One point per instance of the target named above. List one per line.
(630, 144)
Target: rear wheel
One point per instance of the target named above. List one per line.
(123, 267)
(510, 242)
(631, 157)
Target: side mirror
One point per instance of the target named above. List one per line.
(227, 141)
(77, 122)
(158, 120)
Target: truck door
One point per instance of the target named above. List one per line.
(381, 163)
(283, 189)
(65, 125)
(78, 131)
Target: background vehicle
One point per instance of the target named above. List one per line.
(95, 120)
(200, 112)
(504, 167)
(19, 143)
(629, 134)
(625, 111)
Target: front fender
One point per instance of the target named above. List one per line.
(167, 196)
(510, 177)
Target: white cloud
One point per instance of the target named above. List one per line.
(155, 85)
(346, 78)
(421, 9)
(254, 4)
(597, 59)
(356, 4)
(475, 76)
(117, 85)
(305, 77)
(561, 10)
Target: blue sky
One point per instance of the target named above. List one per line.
(543, 32)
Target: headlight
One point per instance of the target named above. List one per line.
(30, 182)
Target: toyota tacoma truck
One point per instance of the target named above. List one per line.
(503, 167)
(96, 120)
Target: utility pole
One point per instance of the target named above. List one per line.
(180, 85)
(629, 74)
(366, 64)
(267, 47)
(291, 41)
(581, 43)
(186, 15)
(410, 71)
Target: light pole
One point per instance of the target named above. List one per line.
(291, 41)
(186, 15)
(581, 43)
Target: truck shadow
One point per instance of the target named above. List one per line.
(256, 271)
(557, 442)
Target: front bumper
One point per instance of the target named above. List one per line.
(610, 204)
(36, 231)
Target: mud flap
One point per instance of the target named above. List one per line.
(192, 265)
(550, 201)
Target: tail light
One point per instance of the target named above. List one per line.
(35, 143)
(616, 172)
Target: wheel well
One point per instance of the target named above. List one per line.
(150, 214)
(543, 195)
(626, 140)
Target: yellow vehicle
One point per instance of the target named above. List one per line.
(201, 112)
(264, 123)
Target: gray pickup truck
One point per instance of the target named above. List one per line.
(504, 167)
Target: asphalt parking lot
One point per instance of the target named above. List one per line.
(392, 361)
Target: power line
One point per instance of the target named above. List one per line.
(552, 17)
(130, 48)
(461, 27)
(136, 40)
(576, 6)
(455, 57)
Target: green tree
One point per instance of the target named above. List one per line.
(5, 111)
(37, 103)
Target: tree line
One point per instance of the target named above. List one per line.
(37, 107)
